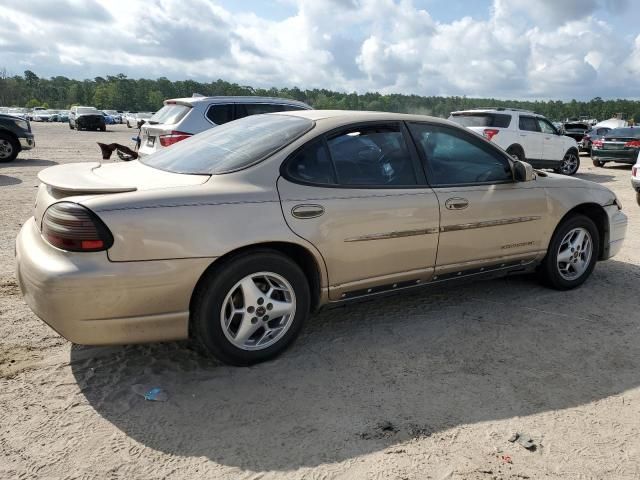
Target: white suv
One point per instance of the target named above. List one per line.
(181, 118)
(635, 178)
(524, 135)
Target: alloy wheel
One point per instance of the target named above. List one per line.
(574, 254)
(6, 149)
(569, 164)
(258, 311)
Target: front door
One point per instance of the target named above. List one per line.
(359, 197)
(553, 146)
(486, 219)
(531, 139)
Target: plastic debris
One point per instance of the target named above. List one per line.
(525, 440)
(154, 394)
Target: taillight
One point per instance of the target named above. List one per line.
(597, 143)
(489, 133)
(634, 170)
(173, 137)
(633, 144)
(70, 226)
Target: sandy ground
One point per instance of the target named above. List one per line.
(425, 386)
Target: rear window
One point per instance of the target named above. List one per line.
(230, 147)
(624, 132)
(481, 119)
(170, 114)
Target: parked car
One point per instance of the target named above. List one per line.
(15, 136)
(86, 118)
(619, 145)
(575, 130)
(596, 133)
(115, 115)
(18, 112)
(181, 118)
(130, 119)
(61, 116)
(41, 115)
(108, 119)
(524, 135)
(234, 236)
(635, 178)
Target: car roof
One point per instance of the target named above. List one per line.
(499, 110)
(235, 99)
(364, 116)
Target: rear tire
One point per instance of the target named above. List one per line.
(103, 129)
(70, 126)
(9, 148)
(598, 163)
(517, 153)
(568, 263)
(221, 310)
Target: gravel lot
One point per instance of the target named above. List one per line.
(429, 385)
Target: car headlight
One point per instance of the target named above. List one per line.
(23, 124)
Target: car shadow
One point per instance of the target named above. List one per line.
(367, 376)
(28, 162)
(6, 180)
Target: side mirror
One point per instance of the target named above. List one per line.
(523, 171)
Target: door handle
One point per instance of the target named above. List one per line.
(456, 203)
(307, 211)
(523, 134)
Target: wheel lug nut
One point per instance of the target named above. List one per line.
(250, 309)
(266, 318)
(254, 320)
(260, 301)
(269, 306)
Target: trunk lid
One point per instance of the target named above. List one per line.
(82, 180)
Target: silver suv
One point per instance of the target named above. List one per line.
(181, 118)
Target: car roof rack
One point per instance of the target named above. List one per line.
(501, 109)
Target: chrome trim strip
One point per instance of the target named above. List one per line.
(489, 223)
(399, 234)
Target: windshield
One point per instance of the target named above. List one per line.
(232, 146)
(481, 119)
(624, 132)
(88, 110)
(170, 114)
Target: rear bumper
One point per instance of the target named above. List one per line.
(629, 157)
(90, 300)
(617, 231)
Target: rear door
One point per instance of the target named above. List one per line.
(487, 220)
(359, 196)
(530, 138)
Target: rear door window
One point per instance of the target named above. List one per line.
(220, 113)
(372, 156)
(481, 119)
(312, 165)
(528, 124)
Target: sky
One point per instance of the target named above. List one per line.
(516, 49)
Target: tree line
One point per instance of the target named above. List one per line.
(122, 93)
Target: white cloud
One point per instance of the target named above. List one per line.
(543, 49)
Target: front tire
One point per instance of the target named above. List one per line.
(250, 308)
(570, 163)
(9, 148)
(572, 254)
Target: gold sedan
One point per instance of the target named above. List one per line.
(234, 236)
